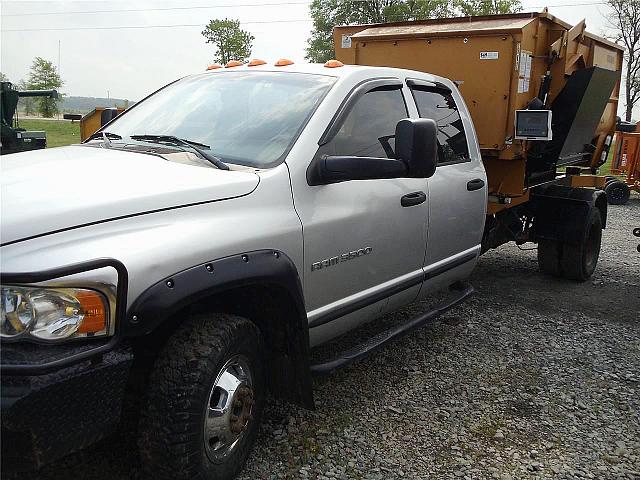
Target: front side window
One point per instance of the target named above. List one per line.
(440, 106)
(369, 128)
(247, 118)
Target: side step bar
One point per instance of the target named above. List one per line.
(462, 292)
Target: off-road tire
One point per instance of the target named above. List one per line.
(618, 192)
(549, 252)
(171, 440)
(578, 261)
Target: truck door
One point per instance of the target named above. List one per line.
(458, 190)
(362, 248)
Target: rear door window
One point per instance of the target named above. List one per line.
(439, 105)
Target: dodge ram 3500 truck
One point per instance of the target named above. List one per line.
(191, 253)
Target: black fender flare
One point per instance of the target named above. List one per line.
(254, 268)
(560, 211)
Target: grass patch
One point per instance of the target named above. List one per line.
(59, 132)
(606, 168)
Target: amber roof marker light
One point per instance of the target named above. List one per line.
(256, 62)
(215, 66)
(233, 63)
(333, 64)
(283, 62)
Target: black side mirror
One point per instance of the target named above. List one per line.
(417, 146)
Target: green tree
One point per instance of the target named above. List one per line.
(326, 14)
(486, 7)
(44, 76)
(230, 41)
(25, 104)
(3, 77)
(626, 21)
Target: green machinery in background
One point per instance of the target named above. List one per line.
(12, 137)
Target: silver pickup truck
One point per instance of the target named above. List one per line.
(186, 258)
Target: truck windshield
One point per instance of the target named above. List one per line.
(246, 118)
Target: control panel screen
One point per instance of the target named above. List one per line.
(533, 124)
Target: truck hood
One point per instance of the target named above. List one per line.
(46, 191)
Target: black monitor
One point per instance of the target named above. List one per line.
(533, 125)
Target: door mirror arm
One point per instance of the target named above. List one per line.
(327, 169)
(416, 152)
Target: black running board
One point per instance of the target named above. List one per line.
(462, 292)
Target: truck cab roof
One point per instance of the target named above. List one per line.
(356, 73)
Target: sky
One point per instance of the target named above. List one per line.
(98, 58)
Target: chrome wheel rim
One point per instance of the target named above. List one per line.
(229, 409)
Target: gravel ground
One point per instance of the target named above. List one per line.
(534, 377)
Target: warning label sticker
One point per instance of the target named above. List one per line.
(346, 41)
(524, 71)
(489, 55)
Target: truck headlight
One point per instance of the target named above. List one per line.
(52, 313)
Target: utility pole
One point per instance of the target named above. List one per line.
(59, 73)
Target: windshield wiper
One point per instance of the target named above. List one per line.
(195, 146)
(103, 135)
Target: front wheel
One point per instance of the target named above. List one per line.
(204, 400)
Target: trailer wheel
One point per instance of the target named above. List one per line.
(578, 261)
(204, 400)
(549, 257)
(618, 192)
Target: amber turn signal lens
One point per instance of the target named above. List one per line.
(214, 66)
(283, 62)
(94, 312)
(334, 64)
(255, 62)
(233, 63)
